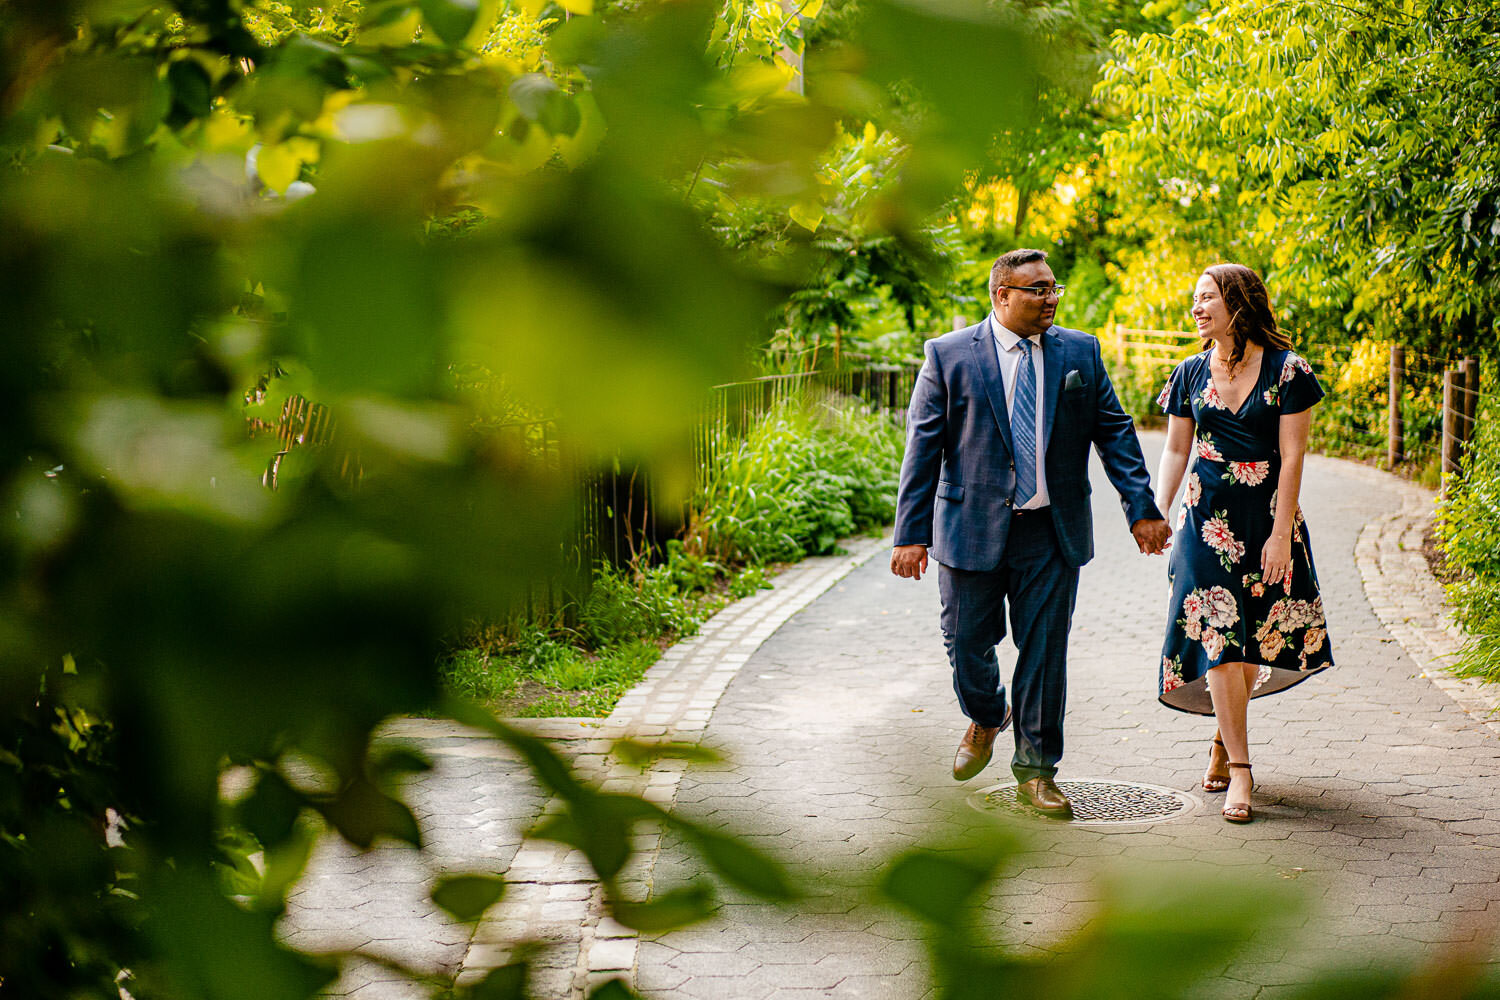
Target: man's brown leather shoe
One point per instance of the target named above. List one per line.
(975, 748)
(1043, 795)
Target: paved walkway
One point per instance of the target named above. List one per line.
(1377, 792)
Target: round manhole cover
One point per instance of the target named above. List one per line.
(1097, 803)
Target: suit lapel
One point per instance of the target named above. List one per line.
(983, 346)
(1053, 364)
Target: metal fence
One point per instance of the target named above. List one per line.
(1409, 407)
(621, 516)
(733, 408)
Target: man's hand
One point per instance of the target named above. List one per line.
(909, 561)
(1151, 535)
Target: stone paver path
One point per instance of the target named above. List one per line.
(1376, 788)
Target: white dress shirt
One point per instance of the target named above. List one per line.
(1008, 349)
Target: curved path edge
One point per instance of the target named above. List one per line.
(553, 896)
(555, 899)
(1411, 603)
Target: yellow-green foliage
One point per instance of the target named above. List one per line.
(518, 38)
(1365, 370)
(1342, 148)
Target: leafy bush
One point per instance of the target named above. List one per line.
(691, 573)
(865, 446)
(1138, 387)
(747, 581)
(1468, 525)
(626, 604)
(802, 478)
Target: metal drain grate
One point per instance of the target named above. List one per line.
(1097, 803)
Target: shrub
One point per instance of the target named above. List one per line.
(803, 477)
(747, 581)
(1468, 525)
(865, 447)
(626, 604)
(1138, 386)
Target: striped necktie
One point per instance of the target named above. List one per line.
(1023, 427)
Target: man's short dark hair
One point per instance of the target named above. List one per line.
(1007, 263)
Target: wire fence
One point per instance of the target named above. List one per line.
(1409, 409)
(622, 517)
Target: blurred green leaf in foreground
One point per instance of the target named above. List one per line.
(367, 199)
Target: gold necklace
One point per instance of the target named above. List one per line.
(1231, 372)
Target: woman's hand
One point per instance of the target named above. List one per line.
(1276, 560)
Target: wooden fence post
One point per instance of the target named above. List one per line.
(1452, 417)
(1470, 368)
(1395, 443)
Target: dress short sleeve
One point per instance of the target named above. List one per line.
(1176, 396)
(1297, 387)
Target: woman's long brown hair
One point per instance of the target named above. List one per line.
(1249, 307)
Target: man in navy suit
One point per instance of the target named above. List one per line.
(995, 484)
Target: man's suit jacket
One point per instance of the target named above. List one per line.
(958, 479)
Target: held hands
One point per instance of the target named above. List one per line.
(1151, 535)
(1276, 560)
(909, 561)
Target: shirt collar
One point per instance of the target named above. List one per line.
(1009, 338)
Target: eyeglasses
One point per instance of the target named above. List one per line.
(1040, 291)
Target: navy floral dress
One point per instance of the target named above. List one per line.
(1221, 611)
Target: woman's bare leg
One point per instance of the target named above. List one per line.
(1229, 686)
(1251, 670)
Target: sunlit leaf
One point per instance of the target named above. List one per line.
(280, 164)
(807, 215)
(391, 24)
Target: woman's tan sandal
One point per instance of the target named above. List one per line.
(1213, 781)
(1240, 812)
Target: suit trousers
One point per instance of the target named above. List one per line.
(1041, 588)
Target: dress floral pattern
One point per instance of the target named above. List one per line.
(1221, 610)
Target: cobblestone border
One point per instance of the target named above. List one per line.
(553, 896)
(1411, 603)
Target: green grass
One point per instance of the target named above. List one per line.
(546, 677)
(548, 672)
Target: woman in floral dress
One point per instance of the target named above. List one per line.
(1245, 618)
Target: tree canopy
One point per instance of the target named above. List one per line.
(1348, 149)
